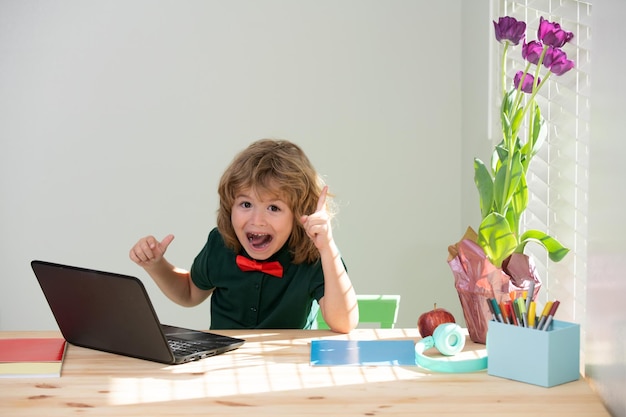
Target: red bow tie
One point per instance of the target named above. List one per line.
(272, 268)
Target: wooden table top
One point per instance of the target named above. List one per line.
(270, 375)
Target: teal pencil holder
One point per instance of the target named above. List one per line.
(545, 358)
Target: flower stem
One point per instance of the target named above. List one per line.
(503, 68)
(536, 90)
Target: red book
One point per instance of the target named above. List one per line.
(31, 357)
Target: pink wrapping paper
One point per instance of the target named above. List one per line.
(477, 280)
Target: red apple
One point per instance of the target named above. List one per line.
(428, 321)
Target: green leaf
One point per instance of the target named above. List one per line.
(556, 251)
(484, 184)
(538, 137)
(519, 202)
(507, 102)
(506, 182)
(518, 118)
(496, 238)
(540, 132)
(505, 121)
(502, 154)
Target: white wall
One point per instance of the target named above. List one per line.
(606, 315)
(118, 117)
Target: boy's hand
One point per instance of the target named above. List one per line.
(149, 251)
(317, 225)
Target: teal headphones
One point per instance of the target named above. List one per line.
(449, 340)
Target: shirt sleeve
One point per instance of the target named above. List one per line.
(200, 269)
(317, 285)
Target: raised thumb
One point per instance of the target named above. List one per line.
(166, 242)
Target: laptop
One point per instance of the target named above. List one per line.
(113, 313)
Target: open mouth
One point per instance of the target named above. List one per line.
(259, 241)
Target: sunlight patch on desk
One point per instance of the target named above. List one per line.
(225, 382)
(264, 364)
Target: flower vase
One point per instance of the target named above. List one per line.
(477, 280)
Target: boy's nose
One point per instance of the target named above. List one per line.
(258, 217)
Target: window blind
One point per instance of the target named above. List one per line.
(558, 175)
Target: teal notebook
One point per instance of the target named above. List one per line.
(362, 352)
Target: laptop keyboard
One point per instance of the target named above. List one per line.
(186, 347)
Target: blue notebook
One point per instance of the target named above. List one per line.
(362, 352)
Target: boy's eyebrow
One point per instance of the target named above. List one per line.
(271, 199)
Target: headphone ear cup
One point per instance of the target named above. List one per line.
(449, 339)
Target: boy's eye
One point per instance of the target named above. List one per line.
(246, 204)
(273, 208)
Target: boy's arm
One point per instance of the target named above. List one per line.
(338, 305)
(174, 282)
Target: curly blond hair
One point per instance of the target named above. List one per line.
(281, 168)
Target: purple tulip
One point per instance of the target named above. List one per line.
(550, 33)
(561, 66)
(557, 62)
(527, 85)
(532, 51)
(553, 55)
(509, 29)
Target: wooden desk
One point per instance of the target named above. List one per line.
(270, 375)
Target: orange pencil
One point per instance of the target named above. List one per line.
(505, 313)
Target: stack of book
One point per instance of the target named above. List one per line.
(31, 357)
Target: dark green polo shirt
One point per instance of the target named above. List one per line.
(255, 300)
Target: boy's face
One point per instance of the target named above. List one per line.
(262, 223)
